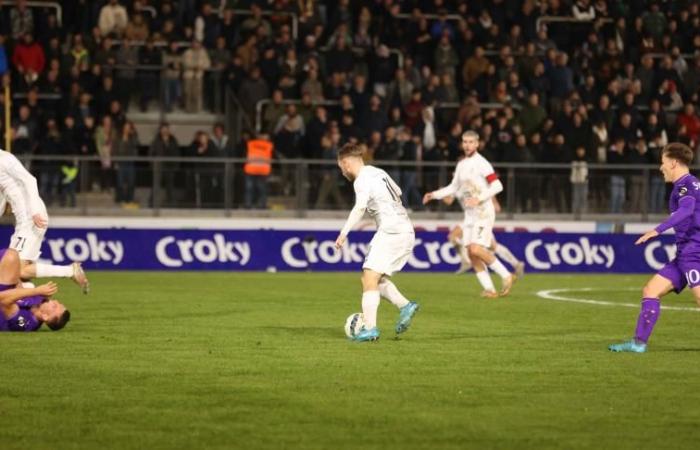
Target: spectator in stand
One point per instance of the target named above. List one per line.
(137, 29)
(165, 144)
(618, 154)
(690, 122)
(21, 20)
(257, 170)
(113, 19)
(105, 137)
(49, 172)
(24, 132)
(195, 61)
(251, 91)
(207, 26)
(28, 59)
(172, 62)
(149, 77)
(126, 145)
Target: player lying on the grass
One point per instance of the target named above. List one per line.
(475, 180)
(456, 239)
(684, 269)
(392, 244)
(25, 309)
(18, 188)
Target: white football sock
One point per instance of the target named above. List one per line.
(485, 280)
(389, 291)
(370, 303)
(50, 270)
(499, 268)
(504, 253)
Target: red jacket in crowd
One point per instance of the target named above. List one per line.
(29, 57)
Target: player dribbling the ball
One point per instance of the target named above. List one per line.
(392, 244)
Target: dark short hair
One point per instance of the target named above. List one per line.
(351, 149)
(60, 322)
(680, 152)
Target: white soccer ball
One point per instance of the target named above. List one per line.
(354, 324)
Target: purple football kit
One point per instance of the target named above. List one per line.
(23, 319)
(684, 205)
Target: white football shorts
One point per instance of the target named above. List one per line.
(480, 232)
(27, 240)
(388, 253)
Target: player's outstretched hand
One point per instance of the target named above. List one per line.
(646, 236)
(47, 289)
(40, 221)
(339, 241)
(427, 197)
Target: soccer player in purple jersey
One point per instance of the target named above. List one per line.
(685, 267)
(25, 309)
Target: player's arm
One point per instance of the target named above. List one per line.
(450, 189)
(494, 186)
(356, 214)
(686, 208)
(9, 297)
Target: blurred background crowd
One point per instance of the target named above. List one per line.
(554, 81)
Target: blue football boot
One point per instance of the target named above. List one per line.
(367, 335)
(629, 346)
(405, 316)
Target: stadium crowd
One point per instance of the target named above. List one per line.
(406, 77)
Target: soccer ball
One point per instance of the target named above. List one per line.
(354, 324)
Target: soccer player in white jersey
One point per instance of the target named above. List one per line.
(476, 182)
(392, 244)
(18, 187)
(456, 239)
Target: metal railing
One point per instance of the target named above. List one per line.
(634, 192)
(40, 4)
(568, 19)
(295, 18)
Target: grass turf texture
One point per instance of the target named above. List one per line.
(230, 360)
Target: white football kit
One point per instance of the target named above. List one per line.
(474, 177)
(18, 187)
(380, 196)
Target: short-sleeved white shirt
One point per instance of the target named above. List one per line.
(471, 177)
(381, 196)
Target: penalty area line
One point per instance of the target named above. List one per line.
(555, 294)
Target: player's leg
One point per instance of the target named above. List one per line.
(455, 238)
(9, 268)
(370, 304)
(667, 279)
(506, 255)
(478, 248)
(480, 270)
(27, 241)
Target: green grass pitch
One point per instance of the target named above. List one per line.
(234, 360)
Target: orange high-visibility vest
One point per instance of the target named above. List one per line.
(259, 157)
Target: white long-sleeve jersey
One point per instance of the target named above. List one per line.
(473, 177)
(18, 187)
(380, 196)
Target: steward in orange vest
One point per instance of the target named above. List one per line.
(259, 155)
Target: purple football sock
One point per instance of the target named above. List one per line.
(651, 308)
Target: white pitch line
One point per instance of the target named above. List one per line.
(551, 294)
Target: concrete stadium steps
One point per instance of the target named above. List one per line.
(183, 125)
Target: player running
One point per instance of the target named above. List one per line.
(392, 244)
(456, 239)
(476, 183)
(26, 309)
(18, 188)
(684, 269)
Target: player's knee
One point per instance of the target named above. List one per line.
(649, 291)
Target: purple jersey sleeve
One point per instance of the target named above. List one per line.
(28, 302)
(23, 320)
